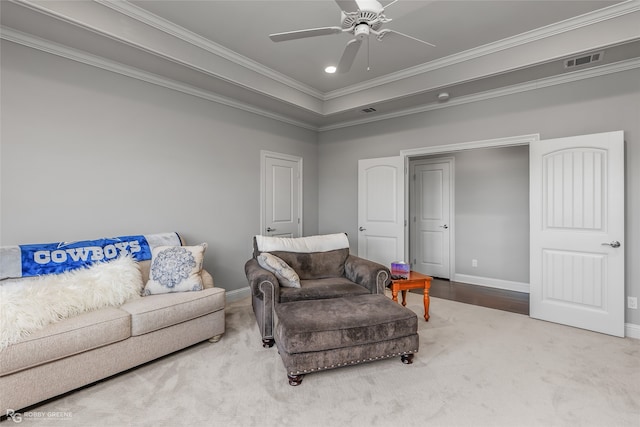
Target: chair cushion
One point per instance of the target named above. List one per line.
(154, 312)
(307, 326)
(334, 287)
(65, 338)
(316, 265)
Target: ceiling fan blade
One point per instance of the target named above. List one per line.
(383, 33)
(389, 4)
(348, 5)
(348, 56)
(301, 34)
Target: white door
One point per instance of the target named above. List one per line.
(577, 231)
(281, 195)
(381, 209)
(430, 213)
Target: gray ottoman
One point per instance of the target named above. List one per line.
(324, 334)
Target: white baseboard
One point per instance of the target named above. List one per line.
(632, 330)
(492, 283)
(238, 294)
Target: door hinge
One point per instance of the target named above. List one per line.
(298, 220)
(405, 222)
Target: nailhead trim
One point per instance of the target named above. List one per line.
(353, 362)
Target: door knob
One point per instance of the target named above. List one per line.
(361, 228)
(614, 244)
(444, 226)
(269, 229)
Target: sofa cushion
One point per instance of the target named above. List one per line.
(175, 269)
(65, 338)
(155, 312)
(334, 287)
(316, 265)
(307, 326)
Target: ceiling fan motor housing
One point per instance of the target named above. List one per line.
(369, 14)
(361, 31)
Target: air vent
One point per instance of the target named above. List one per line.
(368, 110)
(583, 60)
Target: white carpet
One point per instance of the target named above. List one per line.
(476, 367)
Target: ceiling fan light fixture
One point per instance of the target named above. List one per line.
(330, 69)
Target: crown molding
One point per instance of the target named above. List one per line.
(610, 12)
(496, 93)
(47, 46)
(42, 7)
(148, 18)
(76, 55)
(161, 24)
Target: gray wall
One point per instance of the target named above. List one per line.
(594, 105)
(492, 212)
(87, 153)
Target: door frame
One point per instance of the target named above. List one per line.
(264, 154)
(452, 207)
(448, 149)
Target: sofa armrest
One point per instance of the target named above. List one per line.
(207, 280)
(371, 275)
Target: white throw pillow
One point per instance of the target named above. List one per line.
(285, 274)
(175, 269)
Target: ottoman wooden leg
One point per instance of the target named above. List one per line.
(407, 359)
(268, 342)
(295, 379)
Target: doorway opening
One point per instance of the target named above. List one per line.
(485, 235)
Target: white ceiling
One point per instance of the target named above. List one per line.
(221, 50)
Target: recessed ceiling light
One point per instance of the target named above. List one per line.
(330, 69)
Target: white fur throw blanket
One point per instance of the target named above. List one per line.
(29, 304)
(320, 243)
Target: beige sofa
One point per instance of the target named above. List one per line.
(92, 346)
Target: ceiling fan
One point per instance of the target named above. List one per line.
(366, 19)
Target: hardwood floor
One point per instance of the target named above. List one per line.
(500, 299)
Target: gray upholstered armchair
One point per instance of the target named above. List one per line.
(325, 270)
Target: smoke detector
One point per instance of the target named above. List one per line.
(443, 96)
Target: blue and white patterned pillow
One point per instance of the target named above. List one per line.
(175, 269)
(286, 275)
